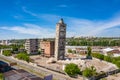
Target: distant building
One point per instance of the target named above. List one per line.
(47, 47)
(114, 52)
(107, 50)
(83, 49)
(5, 42)
(31, 45)
(60, 40)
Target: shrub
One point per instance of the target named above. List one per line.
(7, 52)
(89, 56)
(114, 60)
(72, 69)
(88, 72)
(118, 64)
(108, 58)
(99, 56)
(70, 51)
(1, 76)
(23, 56)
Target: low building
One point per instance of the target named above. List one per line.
(112, 51)
(78, 49)
(31, 46)
(115, 53)
(83, 49)
(106, 50)
(20, 74)
(47, 47)
(4, 66)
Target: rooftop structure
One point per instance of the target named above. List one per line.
(107, 49)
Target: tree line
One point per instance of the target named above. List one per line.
(20, 54)
(93, 42)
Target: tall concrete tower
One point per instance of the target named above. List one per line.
(60, 40)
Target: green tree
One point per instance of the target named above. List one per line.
(108, 58)
(23, 56)
(7, 52)
(89, 51)
(39, 52)
(88, 72)
(93, 42)
(89, 56)
(114, 60)
(1, 76)
(70, 51)
(72, 69)
(98, 55)
(118, 64)
(15, 48)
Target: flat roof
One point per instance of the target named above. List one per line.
(2, 64)
(73, 47)
(20, 74)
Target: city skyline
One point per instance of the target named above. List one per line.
(37, 18)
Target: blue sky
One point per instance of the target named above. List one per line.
(20, 19)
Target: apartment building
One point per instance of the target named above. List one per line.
(5, 42)
(47, 47)
(31, 45)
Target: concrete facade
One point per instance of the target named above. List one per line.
(48, 47)
(60, 40)
(31, 45)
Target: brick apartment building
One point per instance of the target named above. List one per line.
(47, 47)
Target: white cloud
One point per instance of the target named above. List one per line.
(32, 29)
(75, 26)
(29, 12)
(48, 17)
(84, 27)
